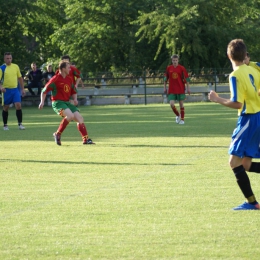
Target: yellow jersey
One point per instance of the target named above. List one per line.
(255, 65)
(244, 83)
(11, 75)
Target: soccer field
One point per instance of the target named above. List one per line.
(148, 189)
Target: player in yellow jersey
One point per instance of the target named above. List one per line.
(11, 78)
(247, 161)
(244, 84)
(253, 64)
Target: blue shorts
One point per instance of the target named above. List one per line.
(246, 137)
(12, 95)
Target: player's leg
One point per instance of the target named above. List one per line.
(61, 108)
(243, 142)
(251, 166)
(181, 110)
(243, 183)
(171, 98)
(18, 106)
(254, 167)
(252, 145)
(67, 117)
(82, 128)
(247, 162)
(5, 116)
(7, 100)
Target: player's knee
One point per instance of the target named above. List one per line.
(18, 106)
(234, 161)
(5, 108)
(247, 163)
(80, 119)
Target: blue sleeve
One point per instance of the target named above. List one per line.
(233, 88)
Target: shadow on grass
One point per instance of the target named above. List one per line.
(90, 163)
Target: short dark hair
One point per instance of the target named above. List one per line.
(65, 57)
(7, 53)
(63, 64)
(176, 56)
(236, 49)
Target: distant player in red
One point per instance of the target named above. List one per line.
(177, 76)
(75, 74)
(62, 88)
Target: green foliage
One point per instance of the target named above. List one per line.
(198, 30)
(110, 35)
(11, 33)
(103, 36)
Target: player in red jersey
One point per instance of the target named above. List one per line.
(75, 74)
(62, 88)
(178, 77)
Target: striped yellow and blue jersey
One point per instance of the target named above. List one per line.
(244, 84)
(11, 75)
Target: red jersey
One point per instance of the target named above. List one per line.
(74, 74)
(177, 79)
(61, 88)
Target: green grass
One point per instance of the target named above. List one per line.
(148, 189)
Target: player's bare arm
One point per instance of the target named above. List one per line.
(75, 99)
(77, 82)
(21, 85)
(165, 82)
(2, 89)
(214, 97)
(188, 88)
(43, 96)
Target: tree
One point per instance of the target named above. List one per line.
(198, 30)
(99, 35)
(11, 34)
(113, 35)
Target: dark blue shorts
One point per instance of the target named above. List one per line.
(12, 95)
(246, 137)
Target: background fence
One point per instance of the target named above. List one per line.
(199, 77)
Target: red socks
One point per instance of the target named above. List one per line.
(182, 113)
(63, 125)
(175, 111)
(83, 130)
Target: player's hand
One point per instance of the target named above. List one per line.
(41, 105)
(165, 91)
(188, 91)
(75, 102)
(23, 93)
(212, 96)
(3, 90)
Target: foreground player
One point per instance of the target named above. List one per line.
(178, 77)
(62, 89)
(244, 84)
